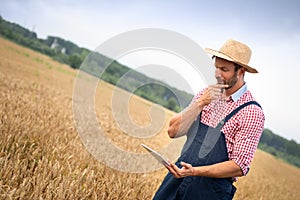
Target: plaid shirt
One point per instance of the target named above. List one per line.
(242, 132)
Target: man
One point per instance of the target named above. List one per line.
(223, 125)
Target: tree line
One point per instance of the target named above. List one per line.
(288, 150)
(112, 71)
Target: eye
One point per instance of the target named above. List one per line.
(224, 69)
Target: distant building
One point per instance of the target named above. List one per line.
(63, 50)
(54, 45)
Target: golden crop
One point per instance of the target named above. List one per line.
(42, 156)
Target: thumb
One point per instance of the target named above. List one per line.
(186, 165)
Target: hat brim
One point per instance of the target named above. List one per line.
(224, 56)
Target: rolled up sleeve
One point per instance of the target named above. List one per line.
(247, 138)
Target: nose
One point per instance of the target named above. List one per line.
(218, 75)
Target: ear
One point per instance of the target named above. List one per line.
(242, 71)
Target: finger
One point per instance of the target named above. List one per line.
(186, 165)
(215, 90)
(215, 95)
(174, 167)
(172, 170)
(169, 167)
(188, 168)
(181, 172)
(178, 171)
(221, 86)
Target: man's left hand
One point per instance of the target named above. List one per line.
(186, 170)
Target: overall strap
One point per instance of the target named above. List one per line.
(221, 124)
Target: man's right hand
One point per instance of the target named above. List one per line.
(212, 93)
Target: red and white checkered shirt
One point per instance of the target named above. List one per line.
(242, 131)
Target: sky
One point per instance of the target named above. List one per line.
(270, 28)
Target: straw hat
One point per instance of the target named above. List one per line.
(236, 52)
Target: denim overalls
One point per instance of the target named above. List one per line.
(197, 187)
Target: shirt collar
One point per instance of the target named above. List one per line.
(235, 96)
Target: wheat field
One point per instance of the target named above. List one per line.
(43, 157)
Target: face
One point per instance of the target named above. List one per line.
(225, 73)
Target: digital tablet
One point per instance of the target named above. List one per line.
(156, 155)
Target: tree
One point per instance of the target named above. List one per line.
(172, 104)
(75, 61)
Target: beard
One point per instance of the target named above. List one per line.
(232, 81)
